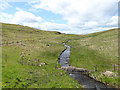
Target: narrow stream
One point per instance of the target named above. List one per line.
(84, 80)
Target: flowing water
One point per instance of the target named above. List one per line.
(84, 80)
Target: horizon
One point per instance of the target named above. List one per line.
(61, 32)
(70, 17)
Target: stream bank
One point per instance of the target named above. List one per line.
(85, 80)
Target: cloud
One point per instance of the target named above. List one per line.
(53, 26)
(4, 17)
(82, 14)
(28, 19)
(113, 21)
(4, 4)
(22, 17)
(25, 17)
(91, 24)
(78, 10)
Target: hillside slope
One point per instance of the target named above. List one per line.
(24, 48)
(97, 51)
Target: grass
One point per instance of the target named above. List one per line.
(31, 43)
(45, 46)
(99, 49)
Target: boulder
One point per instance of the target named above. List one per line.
(109, 74)
(41, 64)
(74, 69)
(69, 68)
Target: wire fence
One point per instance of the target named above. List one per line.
(36, 62)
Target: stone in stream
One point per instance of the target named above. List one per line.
(74, 69)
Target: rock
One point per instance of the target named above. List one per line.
(47, 45)
(22, 44)
(41, 64)
(74, 69)
(109, 74)
(69, 68)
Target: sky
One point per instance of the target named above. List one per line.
(66, 16)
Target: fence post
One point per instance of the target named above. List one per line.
(5, 58)
(113, 67)
(38, 62)
(6, 43)
(95, 67)
(22, 60)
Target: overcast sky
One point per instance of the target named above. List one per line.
(67, 16)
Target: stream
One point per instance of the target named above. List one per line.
(84, 80)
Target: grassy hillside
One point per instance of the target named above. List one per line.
(24, 48)
(96, 50)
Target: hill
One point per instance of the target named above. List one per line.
(25, 48)
(97, 51)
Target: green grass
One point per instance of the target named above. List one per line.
(99, 49)
(16, 75)
(87, 51)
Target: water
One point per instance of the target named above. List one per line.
(85, 80)
(64, 57)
